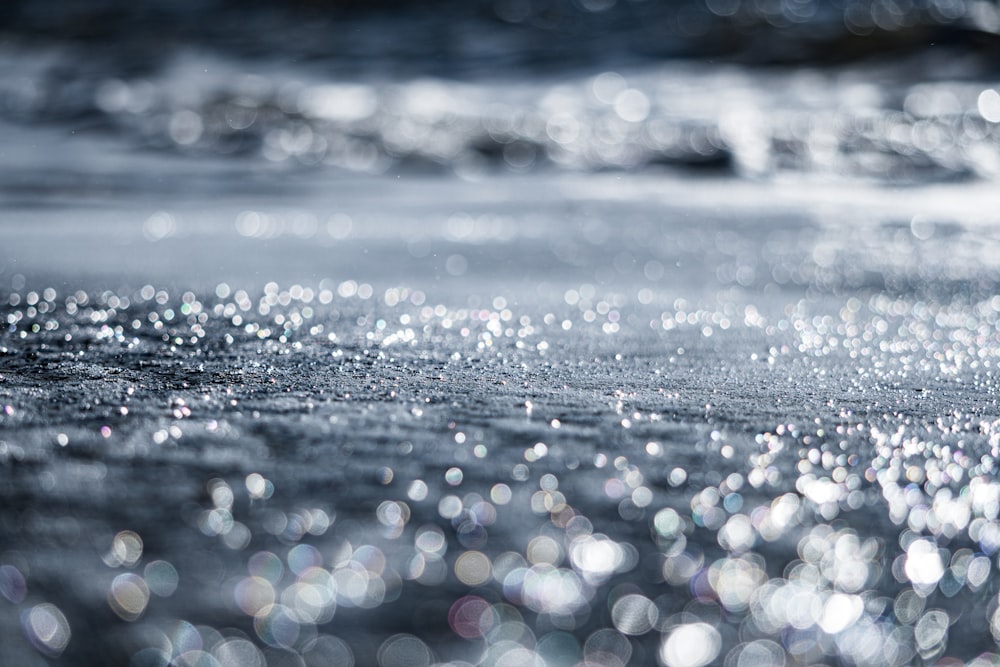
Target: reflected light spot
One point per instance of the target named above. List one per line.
(238, 653)
(46, 628)
(404, 651)
(634, 614)
(128, 596)
(473, 568)
(923, 564)
(159, 226)
(470, 617)
(691, 645)
(840, 612)
(126, 549)
(988, 105)
(253, 595)
(632, 105)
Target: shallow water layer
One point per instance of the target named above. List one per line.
(564, 419)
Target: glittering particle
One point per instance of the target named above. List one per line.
(46, 628)
(690, 645)
(453, 476)
(128, 596)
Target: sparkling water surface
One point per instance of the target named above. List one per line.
(675, 363)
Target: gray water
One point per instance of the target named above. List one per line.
(620, 362)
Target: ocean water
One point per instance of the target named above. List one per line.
(603, 333)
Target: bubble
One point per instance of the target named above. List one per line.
(691, 645)
(404, 650)
(128, 596)
(46, 628)
(634, 614)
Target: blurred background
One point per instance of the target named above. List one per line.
(891, 90)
